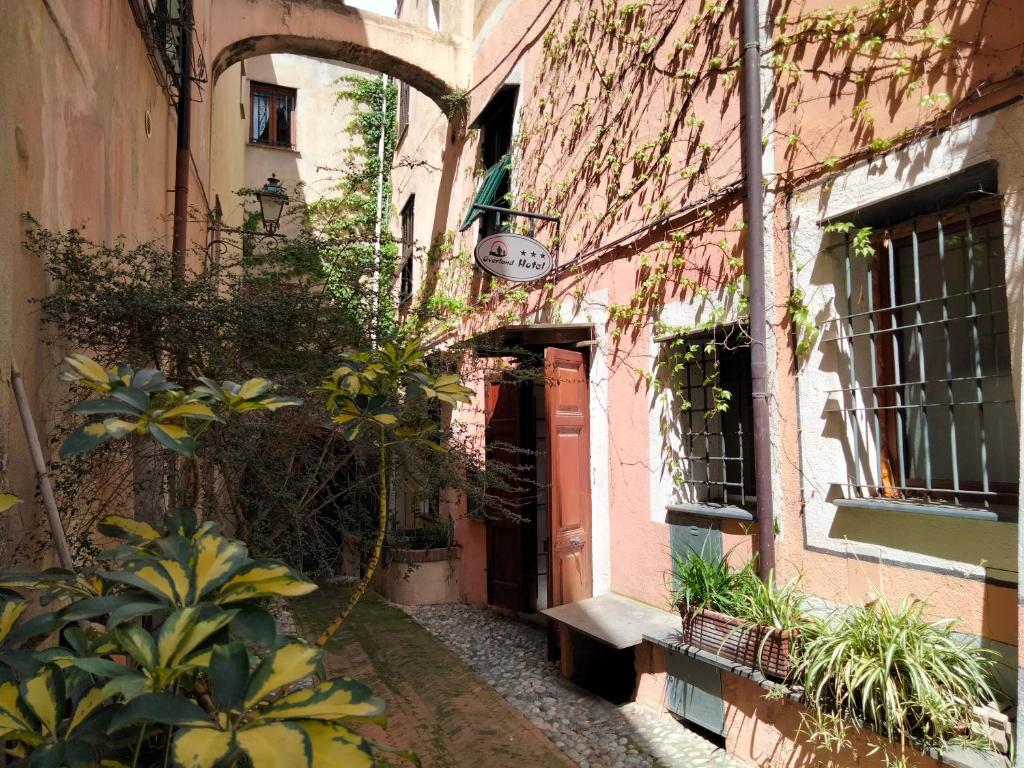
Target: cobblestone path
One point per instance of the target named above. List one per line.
(511, 656)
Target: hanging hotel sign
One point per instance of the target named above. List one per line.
(513, 257)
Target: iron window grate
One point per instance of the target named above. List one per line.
(712, 392)
(922, 344)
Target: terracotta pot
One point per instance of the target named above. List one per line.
(761, 648)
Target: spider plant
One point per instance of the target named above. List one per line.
(771, 605)
(892, 669)
(709, 582)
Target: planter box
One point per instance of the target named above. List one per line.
(419, 576)
(757, 647)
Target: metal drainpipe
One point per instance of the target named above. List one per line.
(179, 241)
(754, 188)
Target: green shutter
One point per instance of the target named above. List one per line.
(488, 192)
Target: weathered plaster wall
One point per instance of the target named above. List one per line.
(77, 153)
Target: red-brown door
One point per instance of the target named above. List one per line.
(503, 435)
(568, 421)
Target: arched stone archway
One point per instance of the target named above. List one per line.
(434, 63)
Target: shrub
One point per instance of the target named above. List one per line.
(173, 657)
(166, 651)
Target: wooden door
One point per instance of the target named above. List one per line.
(504, 536)
(568, 422)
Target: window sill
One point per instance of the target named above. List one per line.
(275, 147)
(708, 509)
(920, 508)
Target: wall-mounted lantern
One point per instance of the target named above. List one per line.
(272, 200)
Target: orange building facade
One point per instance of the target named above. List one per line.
(891, 253)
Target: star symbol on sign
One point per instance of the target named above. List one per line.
(524, 253)
(533, 254)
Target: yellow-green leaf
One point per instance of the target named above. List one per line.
(41, 695)
(192, 410)
(8, 500)
(335, 745)
(215, 559)
(127, 528)
(276, 745)
(138, 644)
(284, 586)
(253, 388)
(200, 747)
(88, 704)
(173, 634)
(200, 631)
(9, 613)
(332, 700)
(12, 716)
(288, 664)
(87, 367)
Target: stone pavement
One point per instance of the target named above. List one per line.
(511, 656)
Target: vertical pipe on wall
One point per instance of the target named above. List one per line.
(182, 160)
(755, 253)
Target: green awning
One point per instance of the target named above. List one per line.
(488, 194)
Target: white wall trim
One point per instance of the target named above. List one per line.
(594, 309)
(995, 136)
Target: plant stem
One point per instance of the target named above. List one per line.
(378, 546)
(138, 746)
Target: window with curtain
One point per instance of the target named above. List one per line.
(272, 111)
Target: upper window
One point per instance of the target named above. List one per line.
(405, 278)
(404, 93)
(924, 358)
(497, 122)
(434, 14)
(272, 115)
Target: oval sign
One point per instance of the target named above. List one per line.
(513, 257)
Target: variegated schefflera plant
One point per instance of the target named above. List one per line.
(167, 653)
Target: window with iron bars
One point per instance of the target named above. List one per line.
(164, 24)
(922, 340)
(711, 393)
(405, 277)
(404, 94)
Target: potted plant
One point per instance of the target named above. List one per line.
(896, 672)
(733, 614)
(419, 567)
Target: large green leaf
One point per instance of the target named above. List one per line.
(101, 667)
(84, 439)
(133, 610)
(254, 624)
(229, 675)
(161, 708)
